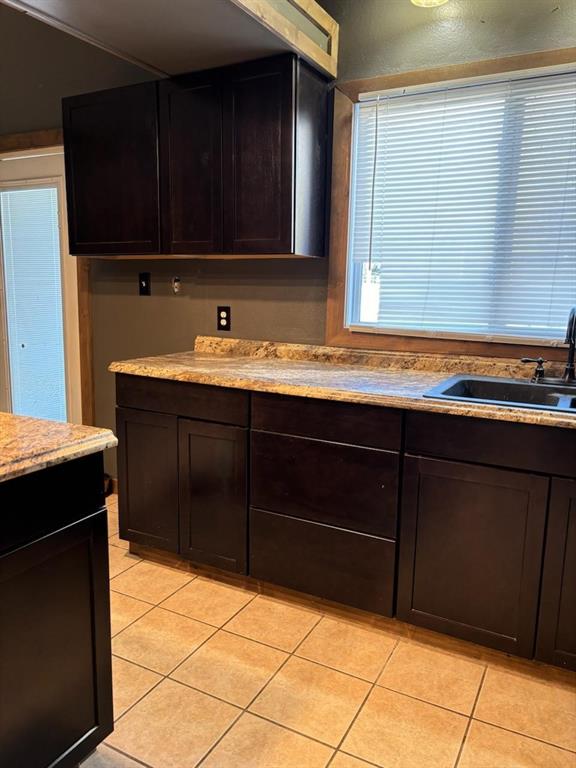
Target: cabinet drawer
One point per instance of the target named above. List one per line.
(367, 425)
(549, 450)
(344, 485)
(350, 568)
(196, 401)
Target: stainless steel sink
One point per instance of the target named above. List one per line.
(511, 392)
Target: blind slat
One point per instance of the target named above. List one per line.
(463, 209)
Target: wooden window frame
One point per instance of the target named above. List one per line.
(346, 95)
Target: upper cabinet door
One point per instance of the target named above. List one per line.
(191, 151)
(259, 156)
(111, 146)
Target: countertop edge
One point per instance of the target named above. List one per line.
(416, 403)
(58, 455)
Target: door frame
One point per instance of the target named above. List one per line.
(75, 294)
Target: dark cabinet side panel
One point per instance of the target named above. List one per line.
(213, 494)
(191, 143)
(557, 623)
(56, 678)
(350, 568)
(258, 156)
(148, 477)
(112, 178)
(471, 543)
(348, 486)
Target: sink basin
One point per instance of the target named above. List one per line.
(511, 392)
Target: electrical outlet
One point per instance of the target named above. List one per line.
(223, 319)
(144, 284)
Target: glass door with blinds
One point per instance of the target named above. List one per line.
(33, 322)
(36, 372)
(463, 210)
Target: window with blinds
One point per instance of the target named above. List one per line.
(463, 210)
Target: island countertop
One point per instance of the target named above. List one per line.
(28, 444)
(394, 380)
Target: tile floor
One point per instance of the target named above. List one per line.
(220, 675)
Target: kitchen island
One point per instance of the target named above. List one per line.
(55, 663)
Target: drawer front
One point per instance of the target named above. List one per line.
(367, 425)
(180, 398)
(343, 485)
(549, 450)
(350, 568)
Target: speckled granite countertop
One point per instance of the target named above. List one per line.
(28, 445)
(395, 380)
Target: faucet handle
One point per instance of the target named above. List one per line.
(539, 372)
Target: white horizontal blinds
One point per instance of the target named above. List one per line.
(463, 217)
(33, 289)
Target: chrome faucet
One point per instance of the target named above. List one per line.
(569, 372)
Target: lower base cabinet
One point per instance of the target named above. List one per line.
(557, 623)
(213, 493)
(55, 648)
(471, 551)
(356, 569)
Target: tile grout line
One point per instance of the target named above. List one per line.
(246, 708)
(125, 754)
(526, 736)
(361, 707)
(470, 716)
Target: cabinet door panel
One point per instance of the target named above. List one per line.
(191, 140)
(56, 677)
(213, 494)
(259, 157)
(471, 549)
(557, 624)
(343, 485)
(148, 477)
(350, 568)
(111, 148)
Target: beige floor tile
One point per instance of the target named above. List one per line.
(433, 676)
(490, 747)
(112, 518)
(105, 757)
(130, 683)
(347, 761)
(396, 731)
(230, 667)
(347, 647)
(150, 582)
(116, 541)
(273, 622)
(124, 610)
(173, 726)
(255, 743)
(209, 601)
(119, 560)
(529, 706)
(311, 699)
(160, 640)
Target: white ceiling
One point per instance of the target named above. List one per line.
(164, 36)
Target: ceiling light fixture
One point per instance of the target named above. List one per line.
(428, 3)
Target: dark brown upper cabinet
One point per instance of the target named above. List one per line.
(242, 164)
(191, 142)
(111, 152)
